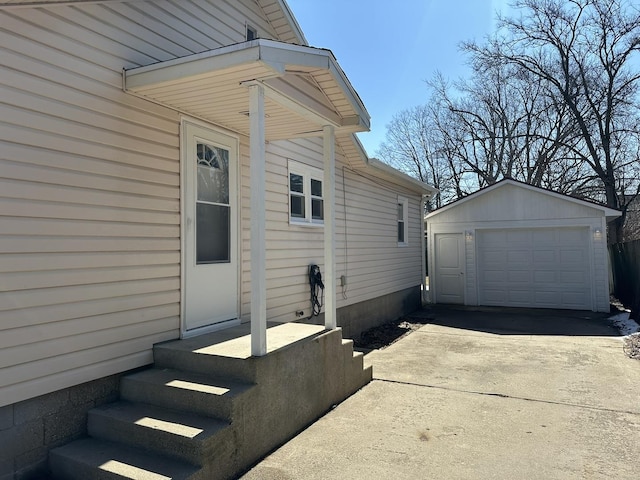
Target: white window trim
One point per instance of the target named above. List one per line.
(405, 214)
(253, 29)
(308, 173)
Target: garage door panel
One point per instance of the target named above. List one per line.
(544, 256)
(572, 257)
(547, 298)
(544, 277)
(571, 279)
(544, 268)
(519, 297)
(520, 237)
(518, 257)
(495, 237)
(571, 235)
(495, 297)
(544, 237)
(519, 276)
(494, 276)
(575, 299)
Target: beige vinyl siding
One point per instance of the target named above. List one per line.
(369, 255)
(376, 265)
(290, 248)
(90, 187)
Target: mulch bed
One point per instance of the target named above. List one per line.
(384, 335)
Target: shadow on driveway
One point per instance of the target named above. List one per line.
(522, 321)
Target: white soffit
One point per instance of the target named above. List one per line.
(305, 88)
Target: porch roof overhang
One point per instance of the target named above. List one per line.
(305, 88)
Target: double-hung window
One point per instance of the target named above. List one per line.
(306, 196)
(403, 224)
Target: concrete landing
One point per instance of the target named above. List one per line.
(235, 342)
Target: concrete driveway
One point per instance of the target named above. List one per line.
(482, 394)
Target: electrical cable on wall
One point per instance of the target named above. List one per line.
(315, 283)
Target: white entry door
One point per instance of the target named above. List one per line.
(449, 259)
(210, 227)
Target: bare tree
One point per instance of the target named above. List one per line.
(553, 100)
(411, 146)
(582, 51)
(498, 124)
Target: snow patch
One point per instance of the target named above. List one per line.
(626, 325)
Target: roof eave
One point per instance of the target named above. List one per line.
(270, 63)
(402, 178)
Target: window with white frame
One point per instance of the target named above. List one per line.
(403, 224)
(306, 197)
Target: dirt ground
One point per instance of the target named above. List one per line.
(384, 335)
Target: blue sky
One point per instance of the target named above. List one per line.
(388, 49)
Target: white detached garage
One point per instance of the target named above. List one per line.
(516, 245)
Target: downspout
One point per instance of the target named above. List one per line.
(423, 281)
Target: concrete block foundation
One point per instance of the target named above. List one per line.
(29, 429)
(357, 318)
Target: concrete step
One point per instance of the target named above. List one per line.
(185, 391)
(91, 459)
(356, 375)
(177, 356)
(367, 374)
(189, 437)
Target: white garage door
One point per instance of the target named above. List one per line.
(539, 268)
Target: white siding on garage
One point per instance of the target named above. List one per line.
(89, 186)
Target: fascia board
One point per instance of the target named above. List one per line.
(192, 65)
(291, 19)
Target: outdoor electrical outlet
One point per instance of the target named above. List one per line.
(343, 280)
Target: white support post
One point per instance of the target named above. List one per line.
(329, 185)
(258, 248)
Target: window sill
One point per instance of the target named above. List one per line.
(305, 224)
